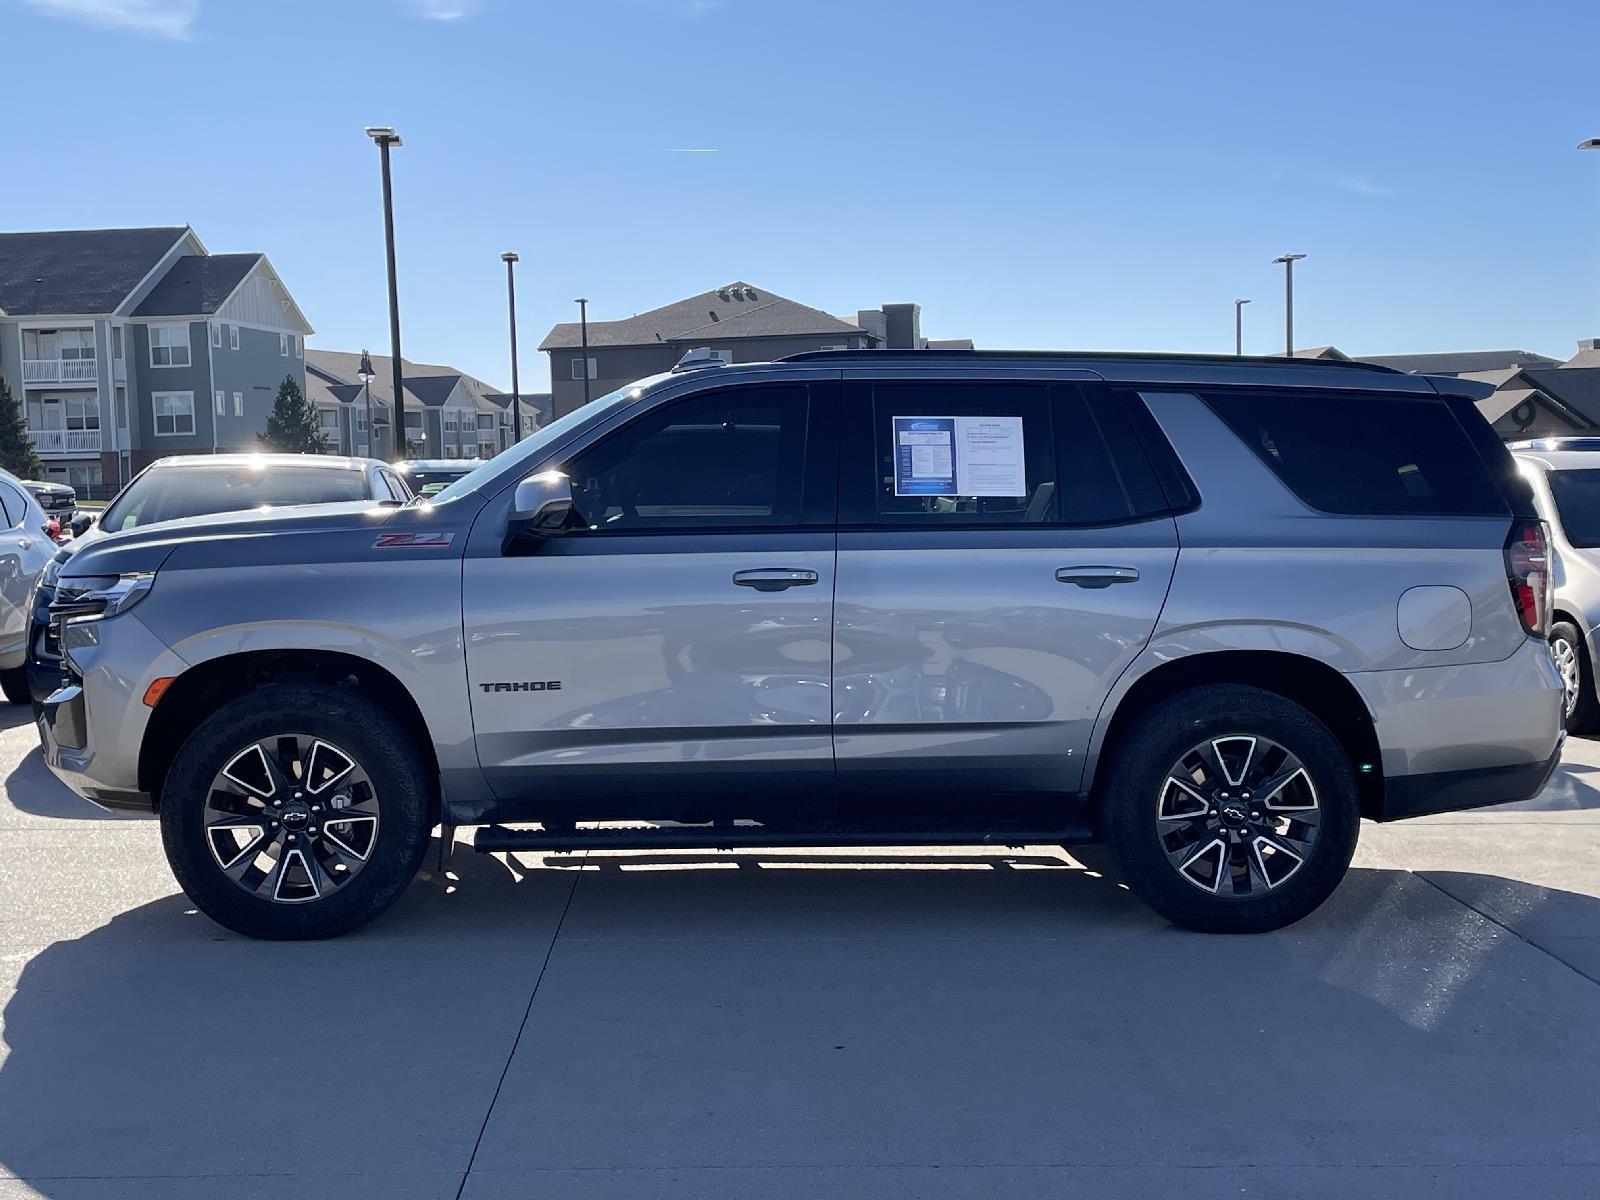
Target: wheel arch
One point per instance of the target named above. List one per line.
(204, 687)
(1310, 683)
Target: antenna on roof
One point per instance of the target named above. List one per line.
(698, 359)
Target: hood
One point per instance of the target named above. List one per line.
(146, 546)
(54, 489)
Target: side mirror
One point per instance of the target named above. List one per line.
(82, 522)
(542, 503)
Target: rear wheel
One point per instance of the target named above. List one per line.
(15, 686)
(295, 811)
(1231, 810)
(1577, 676)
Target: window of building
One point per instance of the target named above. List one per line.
(577, 368)
(1364, 453)
(727, 459)
(238, 404)
(169, 345)
(299, 346)
(328, 418)
(82, 412)
(283, 345)
(222, 403)
(361, 420)
(233, 337)
(116, 342)
(77, 344)
(216, 335)
(120, 402)
(174, 412)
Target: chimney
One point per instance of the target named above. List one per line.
(905, 326)
(875, 324)
(1588, 344)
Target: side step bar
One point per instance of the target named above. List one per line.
(727, 836)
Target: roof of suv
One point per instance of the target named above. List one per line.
(330, 461)
(1559, 460)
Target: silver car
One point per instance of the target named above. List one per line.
(1188, 606)
(25, 548)
(1565, 477)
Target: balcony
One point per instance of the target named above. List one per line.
(60, 370)
(66, 441)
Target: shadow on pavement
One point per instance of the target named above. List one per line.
(31, 788)
(1569, 788)
(797, 1007)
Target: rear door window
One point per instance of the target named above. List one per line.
(1365, 454)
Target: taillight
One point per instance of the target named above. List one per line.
(1528, 572)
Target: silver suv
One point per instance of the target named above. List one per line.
(1211, 611)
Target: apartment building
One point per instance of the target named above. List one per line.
(126, 345)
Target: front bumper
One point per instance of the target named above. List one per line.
(92, 727)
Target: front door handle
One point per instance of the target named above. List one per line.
(1097, 577)
(774, 579)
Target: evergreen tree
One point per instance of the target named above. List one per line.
(293, 428)
(17, 453)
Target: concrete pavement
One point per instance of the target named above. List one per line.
(788, 1024)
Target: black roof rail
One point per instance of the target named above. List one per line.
(1069, 356)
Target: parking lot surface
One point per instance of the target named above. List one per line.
(963, 1023)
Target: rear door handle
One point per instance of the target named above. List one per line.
(1097, 577)
(774, 579)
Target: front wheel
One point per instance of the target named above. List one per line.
(1231, 810)
(295, 811)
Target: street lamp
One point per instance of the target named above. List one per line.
(1288, 261)
(1238, 327)
(385, 137)
(583, 332)
(510, 260)
(366, 374)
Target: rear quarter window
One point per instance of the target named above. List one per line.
(1365, 453)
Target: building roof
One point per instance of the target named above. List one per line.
(331, 376)
(78, 271)
(196, 285)
(735, 310)
(1576, 387)
(1461, 363)
(1588, 354)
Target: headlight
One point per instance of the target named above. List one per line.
(96, 597)
(52, 569)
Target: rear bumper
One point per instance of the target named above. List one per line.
(1450, 791)
(1465, 736)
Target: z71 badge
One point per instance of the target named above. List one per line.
(398, 541)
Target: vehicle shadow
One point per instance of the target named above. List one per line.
(981, 978)
(1572, 787)
(32, 788)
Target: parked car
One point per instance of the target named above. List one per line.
(198, 485)
(1190, 606)
(428, 476)
(56, 499)
(1565, 477)
(25, 549)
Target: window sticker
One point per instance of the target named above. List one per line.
(959, 456)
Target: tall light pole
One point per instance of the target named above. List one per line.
(510, 260)
(1238, 327)
(1288, 261)
(386, 137)
(583, 331)
(365, 373)
(1589, 144)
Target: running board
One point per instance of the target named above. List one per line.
(491, 839)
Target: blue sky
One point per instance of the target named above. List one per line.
(1034, 174)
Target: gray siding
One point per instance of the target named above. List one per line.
(11, 355)
(254, 370)
(196, 378)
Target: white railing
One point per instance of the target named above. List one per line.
(65, 441)
(60, 370)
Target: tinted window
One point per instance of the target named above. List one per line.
(12, 504)
(721, 459)
(989, 454)
(165, 494)
(1365, 454)
(1577, 497)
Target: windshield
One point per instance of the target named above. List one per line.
(1577, 497)
(533, 445)
(423, 479)
(168, 493)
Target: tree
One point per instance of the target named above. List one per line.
(17, 453)
(293, 428)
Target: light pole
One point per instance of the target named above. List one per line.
(1589, 144)
(1288, 261)
(583, 333)
(365, 373)
(1238, 327)
(386, 137)
(510, 260)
